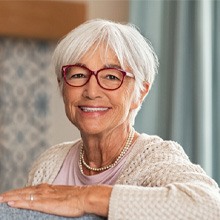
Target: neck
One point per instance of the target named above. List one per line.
(102, 155)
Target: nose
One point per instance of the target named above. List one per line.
(92, 88)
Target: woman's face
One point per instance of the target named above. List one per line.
(92, 109)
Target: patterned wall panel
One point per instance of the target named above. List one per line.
(25, 92)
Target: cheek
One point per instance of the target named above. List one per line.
(68, 100)
(125, 101)
(133, 97)
(129, 96)
(67, 95)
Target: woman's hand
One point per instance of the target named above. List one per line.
(68, 201)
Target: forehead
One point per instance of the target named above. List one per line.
(100, 54)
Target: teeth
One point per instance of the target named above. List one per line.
(88, 109)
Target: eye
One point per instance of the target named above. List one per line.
(112, 77)
(77, 75)
(75, 72)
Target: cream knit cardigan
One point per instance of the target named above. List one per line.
(158, 182)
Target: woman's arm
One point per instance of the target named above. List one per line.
(68, 201)
(192, 200)
(177, 201)
(159, 182)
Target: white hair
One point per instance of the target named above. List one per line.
(130, 47)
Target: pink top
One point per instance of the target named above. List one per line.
(70, 173)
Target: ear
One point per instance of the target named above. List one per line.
(144, 92)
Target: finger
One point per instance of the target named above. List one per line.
(23, 193)
(10, 197)
(20, 195)
(18, 192)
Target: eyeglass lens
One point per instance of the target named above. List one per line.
(109, 78)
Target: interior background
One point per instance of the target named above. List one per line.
(32, 115)
(183, 104)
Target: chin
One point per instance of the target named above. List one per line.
(91, 130)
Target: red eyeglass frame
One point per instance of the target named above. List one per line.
(95, 73)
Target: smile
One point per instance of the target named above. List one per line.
(92, 109)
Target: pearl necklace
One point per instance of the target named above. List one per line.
(123, 152)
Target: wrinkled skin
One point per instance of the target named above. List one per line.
(68, 201)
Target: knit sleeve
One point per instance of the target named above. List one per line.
(174, 202)
(47, 166)
(159, 182)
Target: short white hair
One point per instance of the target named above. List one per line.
(130, 47)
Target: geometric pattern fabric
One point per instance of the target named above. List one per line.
(25, 93)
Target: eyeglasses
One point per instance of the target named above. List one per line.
(108, 78)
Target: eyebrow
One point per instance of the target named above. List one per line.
(113, 66)
(104, 66)
(109, 66)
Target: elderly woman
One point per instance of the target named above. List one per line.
(104, 71)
